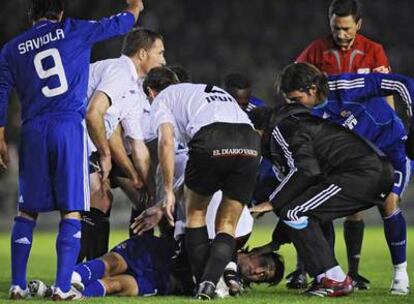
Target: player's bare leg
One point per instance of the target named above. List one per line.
(95, 223)
(122, 285)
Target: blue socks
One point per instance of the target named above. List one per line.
(67, 248)
(395, 230)
(90, 271)
(21, 243)
(94, 289)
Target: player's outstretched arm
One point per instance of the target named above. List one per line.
(135, 7)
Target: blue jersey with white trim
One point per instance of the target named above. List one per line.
(254, 102)
(355, 102)
(49, 64)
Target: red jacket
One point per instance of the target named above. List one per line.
(364, 56)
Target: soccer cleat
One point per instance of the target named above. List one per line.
(400, 285)
(17, 293)
(39, 289)
(206, 291)
(296, 280)
(359, 282)
(72, 294)
(76, 281)
(331, 288)
(233, 282)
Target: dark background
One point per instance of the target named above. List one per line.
(213, 37)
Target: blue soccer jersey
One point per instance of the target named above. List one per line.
(354, 101)
(254, 102)
(149, 262)
(49, 67)
(49, 64)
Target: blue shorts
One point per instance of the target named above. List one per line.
(402, 166)
(53, 169)
(148, 261)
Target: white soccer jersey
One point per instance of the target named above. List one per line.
(118, 79)
(147, 130)
(189, 107)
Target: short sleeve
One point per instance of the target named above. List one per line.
(114, 82)
(161, 111)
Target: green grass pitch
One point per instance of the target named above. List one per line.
(375, 265)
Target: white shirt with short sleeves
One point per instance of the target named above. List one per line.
(189, 107)
(118, 79)
(147, 130)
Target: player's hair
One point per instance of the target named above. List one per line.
(301, 76)
(279, 267)
(49, 9)
(343, 8)
(139, 38)
(236, 81)
(158, 79)
(182, 74)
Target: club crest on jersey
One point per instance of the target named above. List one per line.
(345, 113)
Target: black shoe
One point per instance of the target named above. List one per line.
(296, 280)
(206, 291)
(233, 282)
(359, 282)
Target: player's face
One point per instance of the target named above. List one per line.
(308, 98)
(257, 268)
(344, 30)
(242, 97)
(154, 57)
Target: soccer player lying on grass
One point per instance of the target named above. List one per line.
(148, 265)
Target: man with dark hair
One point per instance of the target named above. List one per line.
(48, 65)
(116, 100)
(223, 155)
(240, 87)
(344, 50)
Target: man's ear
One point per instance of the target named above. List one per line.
(142, 54)
(359, 24)
(313, 90)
